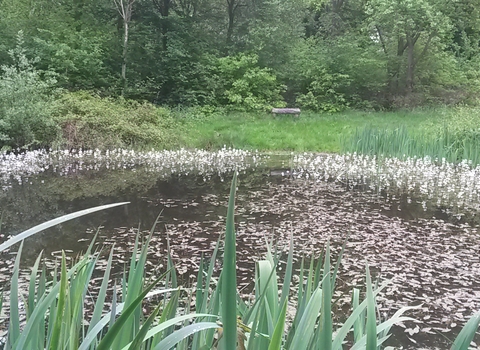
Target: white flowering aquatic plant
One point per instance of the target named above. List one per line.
(455, 186)
(438, 182)
(16, 166)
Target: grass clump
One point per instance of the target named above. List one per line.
(456, 137)
(55, 311)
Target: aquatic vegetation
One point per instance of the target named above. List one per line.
(453, 186)
(452, 145)
(423, 258)
(53, 314)
(15, 166)
(55, 311)
(312, 325)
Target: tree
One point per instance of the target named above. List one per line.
(232, 7)
(406, 29)
(125, 9)
(163, 8)
(275, 28)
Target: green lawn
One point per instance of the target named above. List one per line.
(310, 132)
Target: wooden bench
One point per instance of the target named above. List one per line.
(294, 111)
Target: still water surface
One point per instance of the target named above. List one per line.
(432, 258)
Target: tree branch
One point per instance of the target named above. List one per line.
(425, 48)
(382, 41)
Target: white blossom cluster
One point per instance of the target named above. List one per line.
(18, 166)
(438, 182)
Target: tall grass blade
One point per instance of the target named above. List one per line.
(277, 336)
(168, 313)
(62, 294)
(382, 329)
(271, 285)
(133, 289)
(48, 300)
(287, 280)
(465, 337)
(341, 334)
(199, 291)
(102, 293)
(171, 322)
(139, 338)
(326, 326)
(229, 276)
(78, 290)
(21, 236)
(31, 287)
(371, 316)
(266, 277)
(92, 334)
(301, 301)
(174, 338)
(359, 325)
(14, 324)
(306, 326)
(205, 339)
(114, 332)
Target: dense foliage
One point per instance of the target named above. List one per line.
(25, 102)
(321, 54)
(88, 121)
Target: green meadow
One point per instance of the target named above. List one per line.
(313, 132)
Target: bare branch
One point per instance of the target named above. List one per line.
(125, 9)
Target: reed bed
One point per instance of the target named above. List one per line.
(449, 145)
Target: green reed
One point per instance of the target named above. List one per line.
(452, 145)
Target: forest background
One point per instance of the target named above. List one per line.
(67, 63)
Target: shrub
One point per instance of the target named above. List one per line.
(245, 86)
(26, 102)
(89, 121)
(333, 75)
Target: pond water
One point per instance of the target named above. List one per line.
(427, 245)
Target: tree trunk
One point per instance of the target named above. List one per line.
(163, 7)
(124, 57)
(125, 11)
(409, 81)
(394, 66)
(231, 21)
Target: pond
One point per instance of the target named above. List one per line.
(413, 221)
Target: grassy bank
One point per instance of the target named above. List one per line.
(80, 120)
(311, 132)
